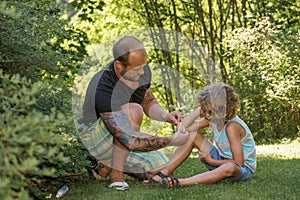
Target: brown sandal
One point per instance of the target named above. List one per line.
(151, 181)
(166, 184)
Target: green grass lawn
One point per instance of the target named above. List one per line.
(277, 177)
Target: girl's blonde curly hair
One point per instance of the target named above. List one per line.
(220, 101)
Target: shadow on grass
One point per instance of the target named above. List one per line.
(275, 178)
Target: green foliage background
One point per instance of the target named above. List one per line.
(265, 72)
(44, 43)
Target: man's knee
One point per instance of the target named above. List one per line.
(136, 109)
(134, 112)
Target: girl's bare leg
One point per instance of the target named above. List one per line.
(181, 154)
(226, 170)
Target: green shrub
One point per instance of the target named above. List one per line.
(37, 41)
(36, 154)
(265, 72)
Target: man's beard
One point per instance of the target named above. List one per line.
(123, 74)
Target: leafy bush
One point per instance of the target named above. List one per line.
(40, 151)
(36, 41)
(36, 154)
(265, 72)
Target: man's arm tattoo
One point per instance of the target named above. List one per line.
(119, 126)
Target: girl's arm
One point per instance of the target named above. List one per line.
(235, 132)
(191, 124)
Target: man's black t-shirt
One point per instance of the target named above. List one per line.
(111, 93)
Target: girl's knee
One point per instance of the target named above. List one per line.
(230, 169)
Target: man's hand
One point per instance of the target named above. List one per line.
(179, 138)
(173, 117)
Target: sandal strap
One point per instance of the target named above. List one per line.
(152, 181)
(166, 183)
(161, 175)
(172, 179)
(177, 182)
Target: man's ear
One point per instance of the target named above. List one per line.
(118, 65)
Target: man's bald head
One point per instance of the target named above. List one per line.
(124, 46)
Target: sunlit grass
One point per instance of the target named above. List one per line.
(277, 177)
(285, 151)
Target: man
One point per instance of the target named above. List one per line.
(113, 109)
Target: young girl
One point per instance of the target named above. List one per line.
(234, 156)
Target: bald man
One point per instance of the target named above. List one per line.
(115, 101)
